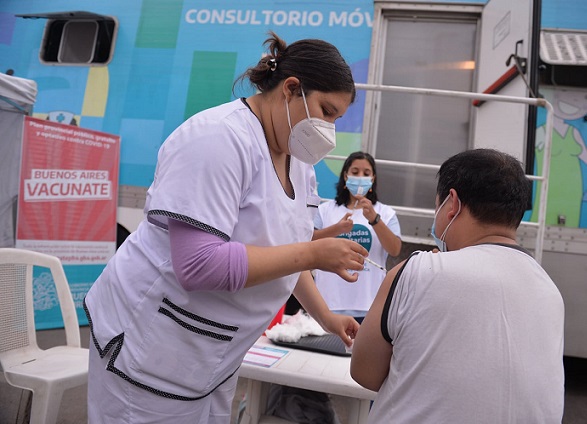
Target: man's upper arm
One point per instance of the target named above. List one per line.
(371, 352)
(374, 344)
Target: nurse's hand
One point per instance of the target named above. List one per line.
(340, 256)
(345, 225)
(344, 326)
(369, 211)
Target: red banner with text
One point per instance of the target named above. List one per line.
(68, 198)
(68, 192)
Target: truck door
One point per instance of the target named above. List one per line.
(461, 47)
(506, 33)
(422, 46)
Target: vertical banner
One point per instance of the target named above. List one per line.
(67, 208)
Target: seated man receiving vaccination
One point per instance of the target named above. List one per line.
(473, 333)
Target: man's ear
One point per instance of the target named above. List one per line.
(455, 204)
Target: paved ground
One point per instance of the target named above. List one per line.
(73, 409)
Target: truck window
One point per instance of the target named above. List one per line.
(78, 42)
(76, 38)
(424, 50)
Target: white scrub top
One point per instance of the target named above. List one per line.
(215, 173)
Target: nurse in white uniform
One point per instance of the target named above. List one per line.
(225, 241)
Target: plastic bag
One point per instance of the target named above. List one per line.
(300, 405)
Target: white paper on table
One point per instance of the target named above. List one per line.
(264, 356)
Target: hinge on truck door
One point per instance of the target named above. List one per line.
(519, 68)
(519, 61)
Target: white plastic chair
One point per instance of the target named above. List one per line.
(47, 373)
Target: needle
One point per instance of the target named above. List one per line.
(376, 264)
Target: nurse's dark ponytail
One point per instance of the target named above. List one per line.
(316, 63)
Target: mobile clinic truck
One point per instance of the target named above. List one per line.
(139, 68)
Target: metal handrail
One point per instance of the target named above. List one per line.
(541, 221)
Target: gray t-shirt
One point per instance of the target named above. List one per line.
(477, 338)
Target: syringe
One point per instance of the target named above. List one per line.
(375, 264)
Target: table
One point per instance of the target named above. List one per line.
(306, 370)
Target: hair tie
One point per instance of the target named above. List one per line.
(272, 64)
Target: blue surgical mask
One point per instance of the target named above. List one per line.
(359, 186)
(440, 241)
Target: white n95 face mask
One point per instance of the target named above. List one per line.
(312, 138)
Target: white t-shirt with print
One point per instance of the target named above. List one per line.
(339, 294)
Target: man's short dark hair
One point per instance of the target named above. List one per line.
(490, 183)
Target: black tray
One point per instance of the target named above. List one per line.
(329, 343)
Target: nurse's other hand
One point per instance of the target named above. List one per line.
(344, 326)
(345, 225)
(340, 256)
(369, 211)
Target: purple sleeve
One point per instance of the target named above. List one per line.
(203, 261)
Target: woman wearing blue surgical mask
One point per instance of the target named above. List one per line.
(356, 214)
(225, 241)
